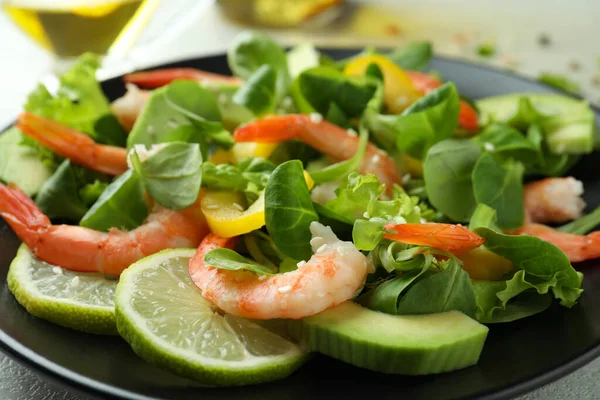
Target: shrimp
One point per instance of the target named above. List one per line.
(129, 107)
(577, 247)
(553, 200)
(455, 239)
(161, 77)
(333, 275)
(82, 249)
(326, 137)
(74, 145)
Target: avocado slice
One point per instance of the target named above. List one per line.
(394, 344)
(568, 124)
(20, 164)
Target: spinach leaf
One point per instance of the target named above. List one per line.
(540, 261)
(90, 192)
(499, 184)
(232, 261)
(172, 176)
(337, 116)
(426, 122)
(321, 86)
(386, 296)
(58, 197)
(288, 265)
(200, 106)
(121, 205)
(584, 224)
(289, 210)
(447, 171)
(414, 56)
(21, 164)
(293, 150)
(341, 169)
(450, 289)
(258, 93)
(509, 142)
(251, 50)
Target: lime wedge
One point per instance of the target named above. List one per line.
(79, 300)
(167, 322)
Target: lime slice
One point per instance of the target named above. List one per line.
(79, 300)
(167, 322)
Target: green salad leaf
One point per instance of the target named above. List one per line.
(120, 206)
(173, 175)
(289, 210)
(231, 260)
(584, 224)
(258, 92)
(413, 56)
(426, 122)
(560, 82)
(322, 86)
(447, 171)
(250, 50)
(499, 184)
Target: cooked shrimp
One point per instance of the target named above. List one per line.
(161, 77)
(74, 145)
(333, 275)
(330, 139)
(553, 200)
(81, 249)
(576, 247)
(128, 107)
(455, 239)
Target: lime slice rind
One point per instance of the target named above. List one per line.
(78, 300)
(167, 322)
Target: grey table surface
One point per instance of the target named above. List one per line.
(19, 383)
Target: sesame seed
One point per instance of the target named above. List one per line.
(211, 206)
(262, 277)
(352, 132)
(57, 270)
(300, 263)
(376, 158)
(406, 178)
(366, 215)
(489, 146)
(316, 118)
(401, 101)
(238, 207)
(75, 282)
(320, 249)
(287, 101)
(285, 289)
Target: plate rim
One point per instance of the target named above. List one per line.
(85, 385)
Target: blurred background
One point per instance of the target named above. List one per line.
(551, 39)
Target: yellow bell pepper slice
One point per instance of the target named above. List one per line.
(399, 91)
(239, 151)
(225, 213)
(482, 264)
(412, 165)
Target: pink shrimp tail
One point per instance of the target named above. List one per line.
(161, 77)
(22, 214)
(73, 145)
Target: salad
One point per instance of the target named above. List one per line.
(229, 226)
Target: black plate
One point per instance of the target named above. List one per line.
(517, 357)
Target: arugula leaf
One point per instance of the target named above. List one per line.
(289, 210)
(341, 169)
(121, 205)
(321, 86)
(79, 102)
(584, 224)
(499, 184)
(447, 171)
(172, 176)
(414, 56)
(258, 93)
(540, 261)
(232, 261)
(426, 122)
(250, 50)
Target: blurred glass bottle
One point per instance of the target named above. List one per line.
(283, 13)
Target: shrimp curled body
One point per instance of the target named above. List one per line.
(333, 275)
